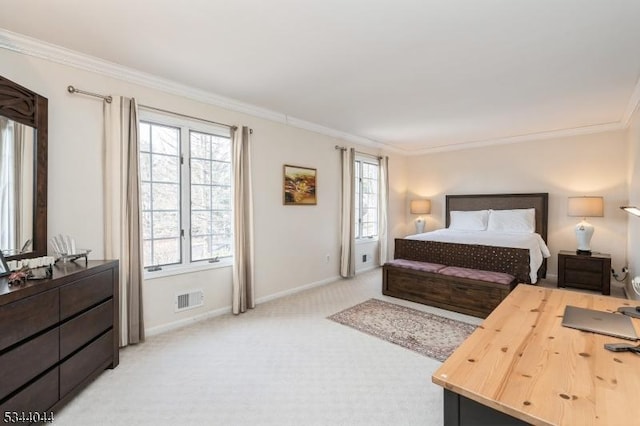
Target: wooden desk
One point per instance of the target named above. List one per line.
(523, 363)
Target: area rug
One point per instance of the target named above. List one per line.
(427, 334)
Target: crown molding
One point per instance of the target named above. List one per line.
(634, 102)
(564, 133)
(54, 53)
(296, 122)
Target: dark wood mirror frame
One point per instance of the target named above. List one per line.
(24, 106)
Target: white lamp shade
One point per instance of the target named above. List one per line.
(585, 207)
(420, 206)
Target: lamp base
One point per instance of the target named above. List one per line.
(583, 252)
(584, 232)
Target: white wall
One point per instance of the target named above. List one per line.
(581, 165)
(633, 236)
(292, 242)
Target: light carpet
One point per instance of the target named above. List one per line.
(427, 334)
(282, 363)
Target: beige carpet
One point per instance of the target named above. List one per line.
(282, 363)
(427, 334)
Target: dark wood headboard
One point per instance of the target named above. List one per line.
(538, 201)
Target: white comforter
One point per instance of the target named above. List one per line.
(538, 250)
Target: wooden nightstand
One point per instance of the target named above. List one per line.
(591, 272)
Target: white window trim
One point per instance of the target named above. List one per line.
(199, 126)
(370, 160)
(171, 270)
(366, 240)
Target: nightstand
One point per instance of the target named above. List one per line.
(591, 272)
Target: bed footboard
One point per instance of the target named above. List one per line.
(512, 261)
(467, 296)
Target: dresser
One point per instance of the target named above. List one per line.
(56, 336)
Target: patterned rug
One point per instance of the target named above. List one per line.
(430, 335)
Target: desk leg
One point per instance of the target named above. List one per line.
(461, 411)
(451, 408)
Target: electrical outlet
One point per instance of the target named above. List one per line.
(364, 258)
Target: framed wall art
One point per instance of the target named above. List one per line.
(299, 186)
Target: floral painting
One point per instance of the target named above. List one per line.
(299, 185)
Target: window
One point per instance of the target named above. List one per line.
(185, 170)
(366, 197)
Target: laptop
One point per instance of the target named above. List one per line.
(616, 325)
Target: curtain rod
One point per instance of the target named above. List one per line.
(342, 148)
(107, 98)
(189, 116)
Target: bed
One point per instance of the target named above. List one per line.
(534, 242)
(416, 271)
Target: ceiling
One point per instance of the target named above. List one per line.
(416, 75)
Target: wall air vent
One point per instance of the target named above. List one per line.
(189, 300)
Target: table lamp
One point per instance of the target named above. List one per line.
(420, 207)
(585, 207)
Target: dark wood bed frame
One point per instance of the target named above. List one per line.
(539, 201)
(464, 295)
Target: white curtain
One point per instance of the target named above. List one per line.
(383, 209)
(243, 267)
(16, 185)
(347, 234)
(25, 138)
(122, 230)
(7, 186)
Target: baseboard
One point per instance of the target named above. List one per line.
(297, 289)
(367, 269)
(186, 321)
(227, 310)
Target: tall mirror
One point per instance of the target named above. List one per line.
(23, 171)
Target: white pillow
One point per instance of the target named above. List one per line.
(517, 221)
(469, 221)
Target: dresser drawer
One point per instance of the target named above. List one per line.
(77, 368)
(84, 293)
(40, 396)
(589, 265)
(26, 361)
(589, 280)
(85, 327)
(21, 319)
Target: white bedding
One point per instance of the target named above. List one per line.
(538, 250)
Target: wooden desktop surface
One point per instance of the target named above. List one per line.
(522, 362)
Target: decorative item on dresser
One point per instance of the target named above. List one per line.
(57, 335)
(590, 272)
